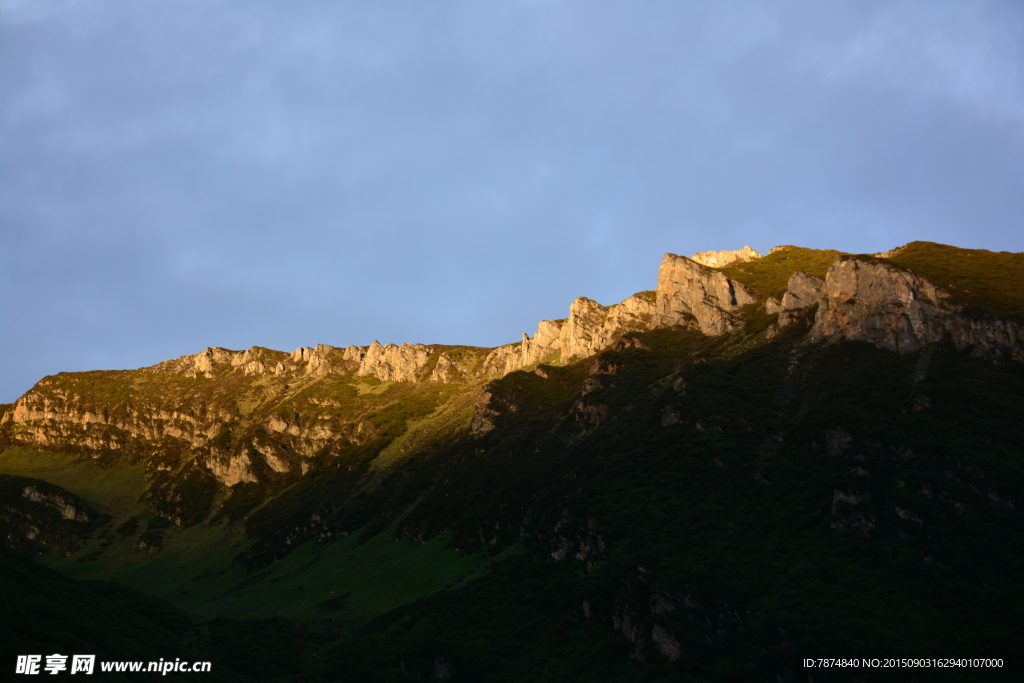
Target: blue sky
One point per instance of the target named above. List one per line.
(180, 175)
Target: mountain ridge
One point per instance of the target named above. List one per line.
(807, 404)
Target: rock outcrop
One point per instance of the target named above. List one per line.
(392, 363)
(546, 345)
(721, 259)
(695, 296)
(214, 359)
(875, 301)
(802, 292)
(491, 404)
(230, 470)
(319, 361)
(689, 295)
(37, 516)
(218, 391)
(592, 327)
(69, 506)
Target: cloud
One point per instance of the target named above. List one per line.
(183, 174)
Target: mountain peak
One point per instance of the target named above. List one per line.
(721, 259)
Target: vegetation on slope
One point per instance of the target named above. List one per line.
(769, 276)
(678, 508)
(775, 516)
(984, 279)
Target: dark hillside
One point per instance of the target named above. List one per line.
(45, 612)
(764, 512)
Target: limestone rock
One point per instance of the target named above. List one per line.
(65, 505)
(688, 295)
(877, 302)
(802, 292)
(277, 458)
(581, 334)
(545, 345)
(721, 259)
(666, 643)
(446, 370)
(317, 360)
(393, 363)
(695, 296)
(490, 405)
(231, 470)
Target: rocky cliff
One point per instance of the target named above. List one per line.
(721, 259)
(872, 300)
(714, 482)
(688, 295)
(240, 413)
(36, 516)
(802, 292)
(695, 296)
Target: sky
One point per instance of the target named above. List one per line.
(177, 175)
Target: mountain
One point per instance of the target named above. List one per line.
(767, 458)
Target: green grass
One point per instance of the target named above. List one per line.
(731, 504)
(985, 279)
(449, 419)
(197, 551)
(372, 577)
(195, 568)
(113, 491)
(195, 571)
(770, 275)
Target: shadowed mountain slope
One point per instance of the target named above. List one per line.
(802, 455)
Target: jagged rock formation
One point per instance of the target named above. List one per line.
(389, 363)
(55, 415)
(875, 301)
(69, 506)
(721, 259)
(802, 292)
(36, 516)
(253, 361)
(643, 478)
(688, 295)
(392, 363)
(692, 295)
(860, 298)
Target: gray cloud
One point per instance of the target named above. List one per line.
(177, 175)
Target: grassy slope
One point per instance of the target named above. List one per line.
(985, 279)
(195, 567)
(683, 502)
(769, 276)
(195, 571)
(732, 507)
(114, 491)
